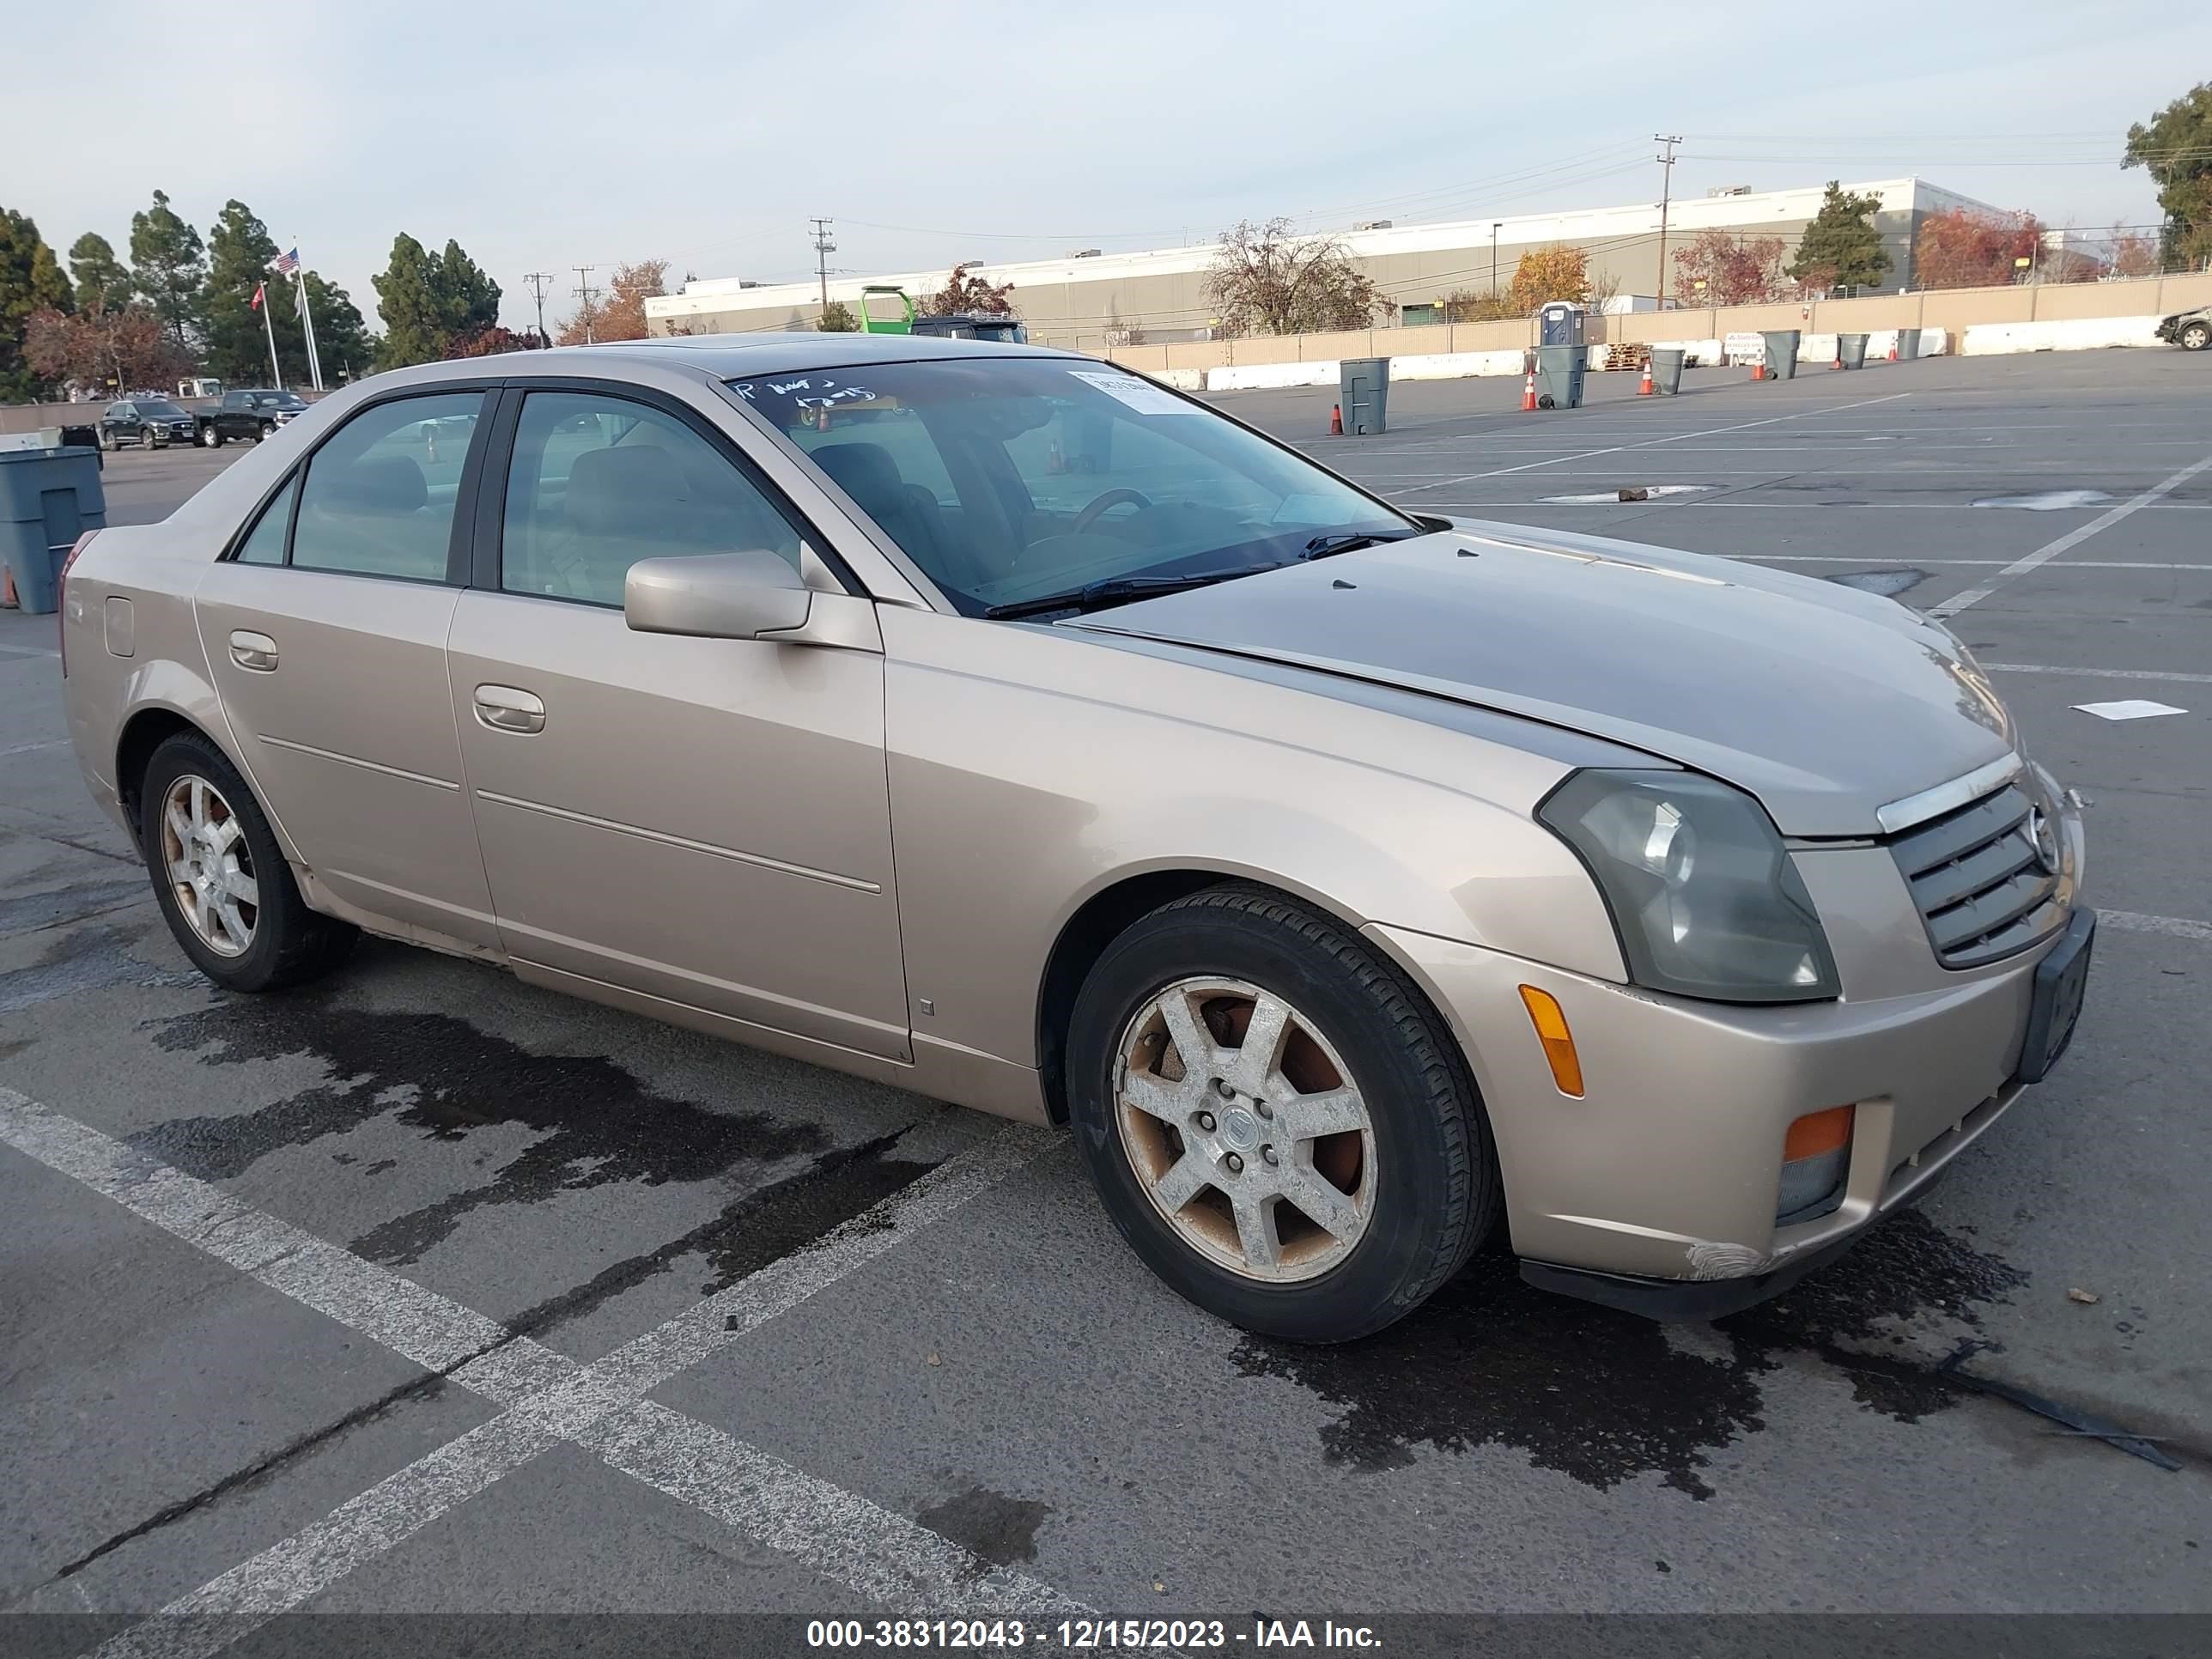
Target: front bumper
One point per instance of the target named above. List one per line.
(1657, 1189)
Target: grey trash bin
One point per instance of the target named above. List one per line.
(1364, 388)
(48, 498)
(1850, 350)
(1908, 345)
(1667, 370)
(1780, 352)
(1559, 370)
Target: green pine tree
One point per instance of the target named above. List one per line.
(2176, 149)
(240, 248)
(1841, 248)
(429, 301)
(103, 281)
(31, 280)
(168, 264)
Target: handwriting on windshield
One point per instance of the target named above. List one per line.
(823, 392)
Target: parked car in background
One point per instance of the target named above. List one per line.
(1356, 884)
(249, 415)
(2190, 330)
(150, 422)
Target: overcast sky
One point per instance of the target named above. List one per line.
(556, 133)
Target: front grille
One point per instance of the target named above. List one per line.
(1977, 880)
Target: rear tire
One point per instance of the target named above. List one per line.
(271, 939)
(1429, 1195)
(2197, 336)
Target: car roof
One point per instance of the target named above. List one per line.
(731, 356)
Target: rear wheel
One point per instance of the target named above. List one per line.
(265, 431)
(2197, 336)
(221, 880)
(1275, 1119)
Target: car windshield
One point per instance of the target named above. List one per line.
(1017, 479)
(161, 412)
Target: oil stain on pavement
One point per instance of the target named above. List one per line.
(998, 1529)
(1605, 1397)
(596, 1123)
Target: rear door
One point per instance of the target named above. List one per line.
(706, 820)
(325, 626)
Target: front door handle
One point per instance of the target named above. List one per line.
(504, 708)
(257, 652)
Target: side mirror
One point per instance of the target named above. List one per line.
(719, 596)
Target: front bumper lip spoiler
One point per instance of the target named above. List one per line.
(1701, 1300)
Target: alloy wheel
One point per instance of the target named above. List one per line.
(1245, 1129)
(210, 866)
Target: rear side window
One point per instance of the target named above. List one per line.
(379, 496)
(264, 543)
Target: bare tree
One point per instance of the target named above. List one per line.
(1267, 279)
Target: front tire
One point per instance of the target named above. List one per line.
(264, 432)
(2197, 336)
(107, 439)
(209, 438)
(1317, 1188)
(221, 880)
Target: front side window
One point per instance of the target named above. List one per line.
(598, 482)
(379, 496)
(1017, 478)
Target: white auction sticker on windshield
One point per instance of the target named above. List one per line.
(1140, 395)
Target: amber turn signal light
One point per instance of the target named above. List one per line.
(1551, 1024)
(1817, 1133)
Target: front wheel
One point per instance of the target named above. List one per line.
(264, 432)
(107, 439)
(1274, 1118)
(221, 880)
(209, 438)
(2197, 336)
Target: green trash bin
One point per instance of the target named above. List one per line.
(1667, 370)
(1908, 345)
(1364, 389)
(1780, 352)
(48, 498)
(1850, 350)
(1559, 370)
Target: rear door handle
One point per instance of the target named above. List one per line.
(257, 652)
(504, 708)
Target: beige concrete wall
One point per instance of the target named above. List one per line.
(34, 417)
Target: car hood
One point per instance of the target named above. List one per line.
(1824, 702)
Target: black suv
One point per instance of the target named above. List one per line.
(153, 422)
(250, 415)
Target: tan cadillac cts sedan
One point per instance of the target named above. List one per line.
(989, 721)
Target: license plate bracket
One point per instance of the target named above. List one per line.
(2054, 1009)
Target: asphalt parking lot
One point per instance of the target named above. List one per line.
(303, 1292)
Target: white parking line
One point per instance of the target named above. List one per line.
(2133, 921)
(548, 1397)
(2050, 550)
(28, 651)
(2098, 673)
(1918, 562)
(1653, 443)
(32, 748)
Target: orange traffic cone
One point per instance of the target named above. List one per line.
(1644, 390)
(7, 588)
(1336, 420)
(1528, 393)
(1759, 371)
(1893, 350)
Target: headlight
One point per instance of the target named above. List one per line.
(1702, 893)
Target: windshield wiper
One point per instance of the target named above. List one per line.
(1350, 541)
(1118, 590)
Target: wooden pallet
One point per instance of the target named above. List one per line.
(1627, 355)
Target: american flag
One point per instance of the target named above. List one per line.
(286, 263)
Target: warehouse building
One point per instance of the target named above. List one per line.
(1090, 298)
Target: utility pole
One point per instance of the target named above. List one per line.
(823, 247)
(537, 279)
(1495, 227)
(1666, 160)
(587, 292)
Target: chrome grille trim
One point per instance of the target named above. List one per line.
(1945, 797)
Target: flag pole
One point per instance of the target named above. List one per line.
(307, 322)
(276, 374)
